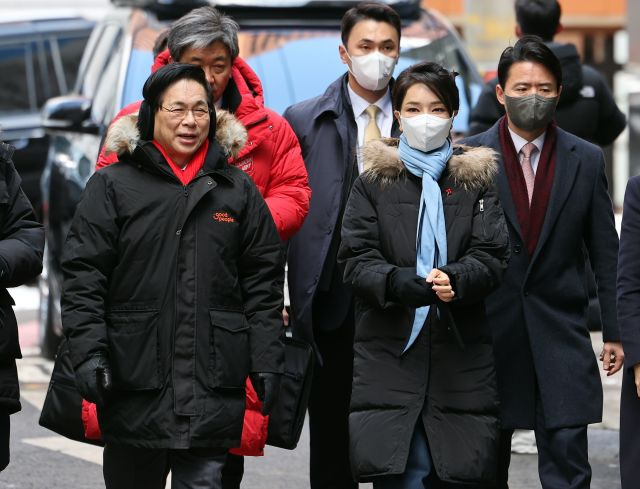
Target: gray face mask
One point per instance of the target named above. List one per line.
(530, 112)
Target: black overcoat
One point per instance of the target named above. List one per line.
(629, 321)
(538, 316)
(455, 384)
(21, 248)
(181, 286)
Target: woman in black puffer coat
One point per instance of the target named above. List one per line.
(424, 404)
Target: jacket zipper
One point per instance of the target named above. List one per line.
(481, 208)
(175, 292)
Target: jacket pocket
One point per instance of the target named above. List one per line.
(133, 350)
(229, 360)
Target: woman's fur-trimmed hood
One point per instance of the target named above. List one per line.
(123, 135)
(470, 167)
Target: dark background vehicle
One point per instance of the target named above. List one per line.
(293, 47)
(39, 59)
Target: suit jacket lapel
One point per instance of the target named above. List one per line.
(565, 174)
(492, 140)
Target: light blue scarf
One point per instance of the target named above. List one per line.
(431, 239)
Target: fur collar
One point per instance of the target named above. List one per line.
(123, 135)
(470, 167)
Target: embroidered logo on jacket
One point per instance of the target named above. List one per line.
(223, 217)
(245, 164)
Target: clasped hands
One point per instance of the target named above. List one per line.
(408, 288)
(441, 285)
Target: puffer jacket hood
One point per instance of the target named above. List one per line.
(471, 168)
(123, 135)
(572, 81)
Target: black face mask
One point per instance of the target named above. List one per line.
(530, 112)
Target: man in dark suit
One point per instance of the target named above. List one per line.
(553, 189)
(629, 319)
(331, 128)
(586, 106)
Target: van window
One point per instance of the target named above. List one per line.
(39, 69)
(98, 56)
(45, 75)
(17, 85)
(70, 49)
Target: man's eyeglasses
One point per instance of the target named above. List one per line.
(179, 113)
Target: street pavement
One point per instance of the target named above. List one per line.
(41, 459)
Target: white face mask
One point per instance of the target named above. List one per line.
(426, 132)
(372, 71)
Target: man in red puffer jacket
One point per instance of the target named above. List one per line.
(271, 156)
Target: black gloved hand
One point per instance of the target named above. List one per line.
(405, 287)
(93, 378)
(267, 386)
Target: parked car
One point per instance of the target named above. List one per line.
(39, 59)
(292, 47)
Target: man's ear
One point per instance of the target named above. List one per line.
(519, 33)
(500, 94)
(560, 28)
(344, 56)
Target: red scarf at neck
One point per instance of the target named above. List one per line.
(193, 166)
(531, 218)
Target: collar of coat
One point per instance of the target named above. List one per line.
(335, 99)
(123, 135)
(470, 168)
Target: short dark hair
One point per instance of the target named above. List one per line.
(538, 17)
(368, 10)
(439, 80)
(158, 82)
(533, 49)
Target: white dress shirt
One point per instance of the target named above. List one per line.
(519, 143)
(384, 118)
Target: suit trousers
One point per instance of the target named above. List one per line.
(4, 440)
(563, 456)
(329, 409)
(128, 467)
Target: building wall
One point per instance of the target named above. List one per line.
(488, 26)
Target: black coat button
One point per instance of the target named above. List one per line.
(517, 249)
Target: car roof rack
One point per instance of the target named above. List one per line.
(272, 12)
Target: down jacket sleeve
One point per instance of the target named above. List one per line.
(480, 269)
(22, 237)
(288, 192)
(365, 268)
(88, 259)
(261, 276)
